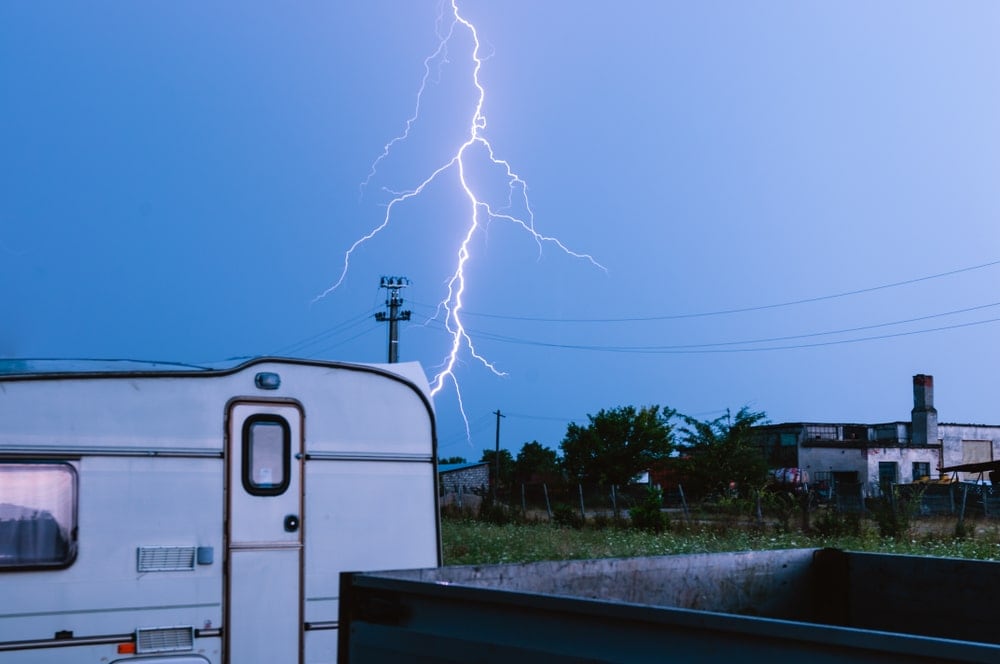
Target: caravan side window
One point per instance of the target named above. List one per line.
(266, 447)
(37, 515)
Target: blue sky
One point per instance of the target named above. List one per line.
(181, 180)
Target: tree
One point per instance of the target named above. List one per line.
(722, 451)
(535, 462)
(451, 460)
(617, 445)
(506, 467)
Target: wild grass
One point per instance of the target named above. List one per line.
(470, 541)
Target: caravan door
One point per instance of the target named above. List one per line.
(264, 533)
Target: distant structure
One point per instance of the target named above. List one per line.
(464, 477)
(875, 456)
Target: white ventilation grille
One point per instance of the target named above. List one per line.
(166, 558)
(164, 639)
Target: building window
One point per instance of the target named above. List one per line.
(855, 432)
(921, 469)
(266, 452)
(37, 515)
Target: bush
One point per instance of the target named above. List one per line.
(496, 513)
(647, 514)
(782, 506)
(564, 515)
(893, 513)
(834, 523)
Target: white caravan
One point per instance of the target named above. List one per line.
(162, 514)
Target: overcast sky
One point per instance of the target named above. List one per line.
(796, 204)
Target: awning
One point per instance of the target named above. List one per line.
(981, 467)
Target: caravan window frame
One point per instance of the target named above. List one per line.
(61, 495)
(252, 485)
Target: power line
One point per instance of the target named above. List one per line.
(521, 416)
(475, 425)
(717, 346)
(319, 337)
(351, 323)
(737, 310)
(857, 340)
(653, 350)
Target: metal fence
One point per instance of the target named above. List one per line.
(958, 498)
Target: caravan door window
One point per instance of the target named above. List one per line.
(37, 515)
(266, 451)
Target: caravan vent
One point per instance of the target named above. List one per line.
(164, 639)
(166, 558)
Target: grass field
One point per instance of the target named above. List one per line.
(468, 541)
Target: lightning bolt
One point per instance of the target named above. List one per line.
(479, 210)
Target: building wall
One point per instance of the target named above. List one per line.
(472, 478)
(865, 460)
(969, 443)
(904, 458)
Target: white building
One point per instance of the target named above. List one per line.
(874, 455)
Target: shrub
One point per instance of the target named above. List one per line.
(564, 515)
(647, 514)
(894, 512)
(497, 513)
(782, 506)
(834, 523)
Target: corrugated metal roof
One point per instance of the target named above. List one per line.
(451, 467)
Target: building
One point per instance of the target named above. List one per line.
(464, 477)
(877, 455)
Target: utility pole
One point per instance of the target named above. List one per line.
(394, 301)
(496, 457)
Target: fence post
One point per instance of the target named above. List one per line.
(614, 502)
(583, 512)
(684, 503)
(961, 511)
(548, 507)
(524, 504)
(459, 496)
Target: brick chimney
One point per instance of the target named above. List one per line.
(923, 417)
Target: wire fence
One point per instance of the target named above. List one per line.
(544, 501)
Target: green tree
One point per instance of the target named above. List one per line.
(722, 451)
(451, 460)
(617, 444)
(506, 467)
(535, 462)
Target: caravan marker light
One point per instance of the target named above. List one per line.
(267, 380)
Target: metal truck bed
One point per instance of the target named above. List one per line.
(822, 604)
